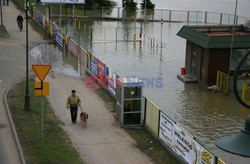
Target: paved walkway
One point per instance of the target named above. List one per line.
(12, 69)
(102, 142)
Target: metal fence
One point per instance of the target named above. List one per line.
(222, 82)
(246, 93)
(152, 117)
(152, 15)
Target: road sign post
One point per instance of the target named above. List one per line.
(41, 88)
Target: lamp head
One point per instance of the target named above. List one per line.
(239, 143)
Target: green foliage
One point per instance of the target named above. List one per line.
(129, 4)
(149, 4)
(152, 147)
(91, 4)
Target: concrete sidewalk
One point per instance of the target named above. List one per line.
(12, 69)
(102, 141)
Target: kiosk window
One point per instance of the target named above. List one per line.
(132, 92)
(132, 118)
(132, 105)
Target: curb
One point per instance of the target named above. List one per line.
(20, 151)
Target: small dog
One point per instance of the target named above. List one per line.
(84, 117)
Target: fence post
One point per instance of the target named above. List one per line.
(197, 16)
(118, 13)
(169, 15)
(73, 12)
(221, 18)
(205, 21)
(83, 10)
(243, 92)
(116, 34)
(153, 15)
(218, 78)
(91, 36)
(188, 16)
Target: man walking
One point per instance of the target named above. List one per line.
(73, 102)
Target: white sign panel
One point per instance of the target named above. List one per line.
(203, 155)
(183, 143)
(166, 130)
(64, 1)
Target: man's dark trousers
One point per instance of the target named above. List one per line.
(73, 112)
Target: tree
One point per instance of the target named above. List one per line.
(90, 4)
(149, 4)
(129, 4)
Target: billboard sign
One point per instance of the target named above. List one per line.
(110, 80)
(101, 72)
(183, 143)
(93, 64)
(203, 156)
(166, 130)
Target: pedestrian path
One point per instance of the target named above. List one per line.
(102, 141)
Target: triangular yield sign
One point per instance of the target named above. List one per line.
(41, 70)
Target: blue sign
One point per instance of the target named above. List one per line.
(59, 38)
(39, 18)
(93, 65)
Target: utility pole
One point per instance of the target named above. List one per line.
(145, 8)
(60, 19)
(1, 12)
(27, 96)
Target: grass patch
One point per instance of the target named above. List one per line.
(145, 141)
(39, 29)
(56, 147)
(152, 147)
(110, 102)
(3, 31)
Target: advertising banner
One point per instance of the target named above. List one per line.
(64, 1)
(166, 130)
(101, 72)
(203, 155)
(183, 144)
(39, 17)
(93, 63)
(59, 38)
(110, 80)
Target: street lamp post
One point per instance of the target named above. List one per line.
(27, 96)
(145, 9)
(1, 12)
(60, 19)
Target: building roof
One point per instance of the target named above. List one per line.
(216, 36)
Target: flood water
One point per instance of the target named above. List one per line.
(206, 115)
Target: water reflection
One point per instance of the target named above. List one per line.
(61, 62)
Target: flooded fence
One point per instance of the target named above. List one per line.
(222, 82)
(172, 135)
(119, 13)
(245, 93)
